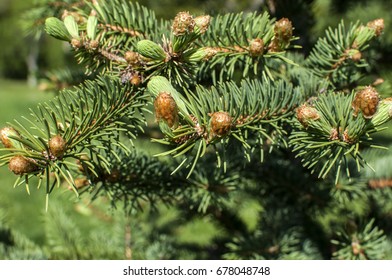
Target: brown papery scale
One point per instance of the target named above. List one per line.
(283, 29)
(306, 113)
(377, 25)
(4, 136)
(221, 123)
(166, 109)
(256, 47)
(183, 24)
(20, 165)
(366, 101)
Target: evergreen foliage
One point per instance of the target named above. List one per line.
(267, 147)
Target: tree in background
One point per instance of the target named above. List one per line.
(263, 149)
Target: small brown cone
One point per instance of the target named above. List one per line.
(21, 165)
(166, 109)
(221, 123)
(57, 146)
(366, 101)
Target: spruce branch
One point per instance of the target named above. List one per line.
(61, 130)
(362, 244)
(224, 113)
(243, 41)
(329, 131)
(132, 179)
(338, 57)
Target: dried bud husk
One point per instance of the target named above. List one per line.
(136, 79)
(166, 109)
(354, 54)
(283, 30)
(57, 146)
(183, 24)
(377, 25)
(151, 50)
(8, 142)
(132, 58)
(20, 165)
(256, 47)
(76, 43)
(306, 114)
(93, 44)
(221, 123)
(366, 101)
(202, 23)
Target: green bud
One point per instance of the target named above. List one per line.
(151, 50)
(198, 55)
(56, 28)
(91, 27)
(384, 112)
(72, 26)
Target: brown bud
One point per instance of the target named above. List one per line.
(94, 44)
(306, 113)
(256, 47)
(81, 182)
(183, 24)
(166, 109)
(76, 43)
(132, 58)
(377, 25)
(221, 123)
(114, 176)
(136, 79)
(21, 165)
(283, 30)
(57, 146)
(366, 101)
(4, 137)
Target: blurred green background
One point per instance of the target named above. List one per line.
(25, 57)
